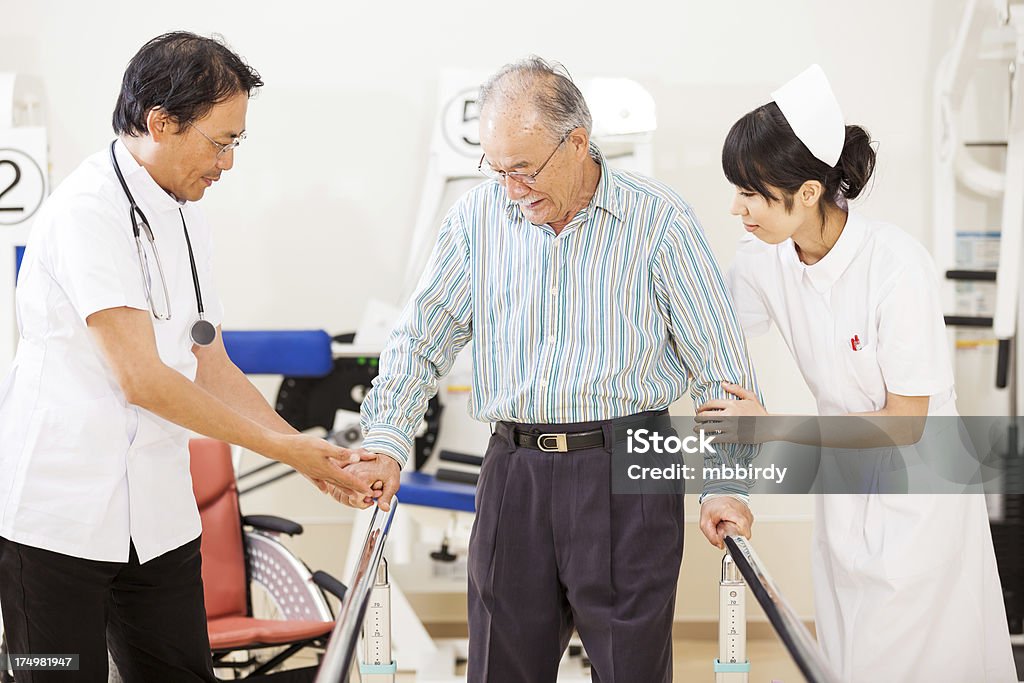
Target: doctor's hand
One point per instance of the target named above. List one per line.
(339, 494)
(719, 513)
(731, 420)
(382, 473)
(323, 463)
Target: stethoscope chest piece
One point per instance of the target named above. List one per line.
(203, 332)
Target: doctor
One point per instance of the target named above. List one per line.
(906, 587)
(120, 356)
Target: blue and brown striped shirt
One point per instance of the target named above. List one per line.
(621, 312)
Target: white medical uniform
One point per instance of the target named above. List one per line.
(82, 472)
(906, 586)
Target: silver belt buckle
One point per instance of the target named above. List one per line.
(553, 443)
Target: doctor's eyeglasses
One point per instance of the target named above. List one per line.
(222, 149)
(524, 178)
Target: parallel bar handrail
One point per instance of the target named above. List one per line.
(341, 649)
(798, 641)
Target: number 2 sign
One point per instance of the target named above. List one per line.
(22, 186)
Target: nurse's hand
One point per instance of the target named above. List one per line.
(730, 420)
(718, 513)
(746, 403)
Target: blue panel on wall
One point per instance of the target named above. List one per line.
(19, 253)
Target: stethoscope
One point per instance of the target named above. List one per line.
(202, 332)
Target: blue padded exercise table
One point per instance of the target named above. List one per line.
(296, 353)
(419, 488)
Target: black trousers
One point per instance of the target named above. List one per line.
(151, 615)
(552, 549)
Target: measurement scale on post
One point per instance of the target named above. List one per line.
(732, 665)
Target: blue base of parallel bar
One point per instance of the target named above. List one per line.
(370, 669)
(730, 668)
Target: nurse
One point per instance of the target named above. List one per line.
(906, 587)
(120, 356)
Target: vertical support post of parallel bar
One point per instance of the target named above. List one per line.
(732, 665)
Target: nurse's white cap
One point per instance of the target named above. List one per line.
(812, 111)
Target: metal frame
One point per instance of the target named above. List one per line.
(341, 649)
(791, 631)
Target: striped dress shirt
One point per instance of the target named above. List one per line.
(621, 312)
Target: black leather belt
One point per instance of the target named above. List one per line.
(563, 442)
(559, 442)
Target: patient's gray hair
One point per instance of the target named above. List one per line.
(550, 88)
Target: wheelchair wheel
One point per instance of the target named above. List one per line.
(287, 583)
(281, 587)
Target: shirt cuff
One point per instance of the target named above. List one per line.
(390, 442)
(742, 497)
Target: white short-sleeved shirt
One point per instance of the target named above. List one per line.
(82, 471)
(863, 320)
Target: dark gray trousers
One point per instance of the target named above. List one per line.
(552, 549)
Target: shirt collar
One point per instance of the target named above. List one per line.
(826, 272)
(606, 195)
(148, 195)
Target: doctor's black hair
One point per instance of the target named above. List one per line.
(183, 74)
(762, 152)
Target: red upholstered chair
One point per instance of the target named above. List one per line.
(237, 551)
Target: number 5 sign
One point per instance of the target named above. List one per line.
(454, 143)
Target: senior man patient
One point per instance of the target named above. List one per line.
(591, 297)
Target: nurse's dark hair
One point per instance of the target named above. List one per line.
(762, 152)
(183, 74)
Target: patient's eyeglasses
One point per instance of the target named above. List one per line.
(524, 178)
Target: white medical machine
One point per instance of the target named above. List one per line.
(24, 183)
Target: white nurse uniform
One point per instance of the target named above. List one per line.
(906, 586)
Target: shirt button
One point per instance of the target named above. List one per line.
(554, 291)
(543, 382)
(551, 339)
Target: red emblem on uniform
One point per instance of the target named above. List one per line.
(855, 342)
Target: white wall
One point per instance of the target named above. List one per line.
(315, 215)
